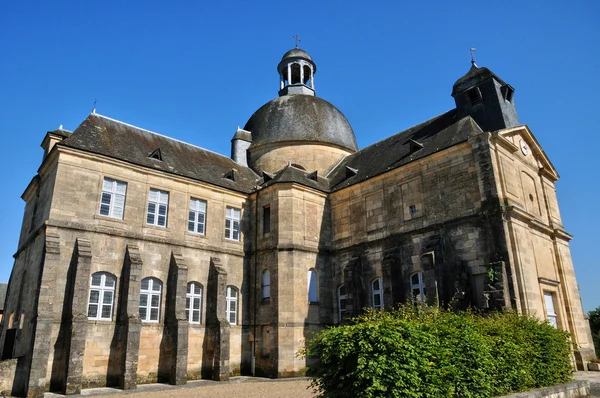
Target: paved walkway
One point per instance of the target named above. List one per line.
(248, 387)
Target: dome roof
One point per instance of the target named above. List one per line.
(300, 118)
(474, 76)
(296, 53)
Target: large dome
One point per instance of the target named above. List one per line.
(300, 118)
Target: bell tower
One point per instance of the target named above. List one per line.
(296, 73)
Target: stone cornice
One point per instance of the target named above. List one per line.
(522, 215)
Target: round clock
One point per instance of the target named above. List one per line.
(524, 148)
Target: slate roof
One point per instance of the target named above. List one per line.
(293, 174)
(436, 134)
(105, 136)
(61, 132)
(473, 77)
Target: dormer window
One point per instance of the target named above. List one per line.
(507, 92)
(475, 96)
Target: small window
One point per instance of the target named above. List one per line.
(266, 284)
(550, 313)
(112, 200)
(150, 297)
(232, 223)
(507, 92)
(266, 219)
(412, 210)
(158, 202)
(377, 289)
(102, 296)
(342, 302)
(232, 305)
(475, 96)
(193, 302)
(312, 286)
(417, 288)
(197, 216)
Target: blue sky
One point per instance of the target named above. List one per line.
(197, 70)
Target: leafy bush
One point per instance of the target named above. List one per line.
(437, 353)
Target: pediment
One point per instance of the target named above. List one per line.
(521, 141)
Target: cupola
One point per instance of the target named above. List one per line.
(296, 73)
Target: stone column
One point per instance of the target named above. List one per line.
(78, 316)
(32, 369)
(128, 321)
(176, 323)
(217, 325)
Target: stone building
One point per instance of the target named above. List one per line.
(142, 258)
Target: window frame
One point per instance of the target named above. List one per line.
(113, 194)
(420, 286)
(265, 287)
(102, 289)
(232, 299)
(149, 292)
(551, 317)
(158, 203)
(195, 213)
(378, 292)
(342, 312)
(190, 296)
(230, 218)
(312, 298)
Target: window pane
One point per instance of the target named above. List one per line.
(106, 309)
(94, 296)
(92, 310)
(96, 279)
(232, 306)
(164, 197)
(196, 303)
(150, 218)
(154, 314)
(202, 206)
(104, 210)
(145, 284)
(153, 196)
(162, 221)
(107, 299)
(196, 316)
(143, 300)
(376, 285)
(154, 302)
(189, 288)
(106, 198)
(107, 185)
(162, 210)
(377, 300)
(236, 214)
(110, 281)
(121, 187)
(156, 286)
(187, 303)
(414, 279)
(200, 229)
(143, 313)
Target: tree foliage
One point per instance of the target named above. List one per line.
(437, 353)
(594, 316)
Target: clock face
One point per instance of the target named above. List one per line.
(524, 148)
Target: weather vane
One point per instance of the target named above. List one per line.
(472, 51)
(94, 110)
(297, 40)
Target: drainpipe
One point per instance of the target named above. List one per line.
(257, 219)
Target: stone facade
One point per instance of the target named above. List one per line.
(458, 215)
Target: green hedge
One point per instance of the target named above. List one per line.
(437, 353)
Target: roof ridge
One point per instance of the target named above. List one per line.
(161, 135)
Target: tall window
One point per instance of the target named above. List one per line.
(197, 216)
(232, 304)
(266, 284)
(150, 294)
(112, 200)
(102, 296)
(377, 289)
(193, 302)
(550, 313)
(232, 223)
(312, 286)
(158, 202)
(417, 288)
(342, 304)
(266, 219)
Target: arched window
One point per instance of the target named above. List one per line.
(417, 288)
(232, 305)
(102, 296)
(266, 284)
(193, 302)
(150, 297)
(377, 289)
(342, 297)
(312, 286)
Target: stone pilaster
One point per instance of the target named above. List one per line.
(176, 324)
(217, 325)
(354, 287)
(78, 315)
(128, 321)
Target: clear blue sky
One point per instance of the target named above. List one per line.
(197, 70)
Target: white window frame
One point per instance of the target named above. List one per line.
(313, 286)
(112, 198)
(197, 216)
(419, 287)
(103, 290)
(342, 309)
(266, 284)
(193, 295)
(154, 289)
(157, 200)
(232, 223)
(377, 292)
(232, 304)
(551, 315)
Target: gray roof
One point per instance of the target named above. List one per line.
(473, 77)
(105, 136)
(61, 132)
(3, 289)
(293, 174)
(437, 134)
(296, 53)
(298, 117)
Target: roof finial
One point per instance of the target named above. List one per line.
(297, 40)
(94, 110)
(472, 51)
(60, 127)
